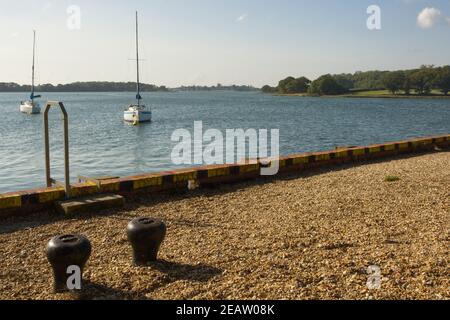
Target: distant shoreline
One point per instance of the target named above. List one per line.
(105, 86)
(131, 92)
(368, 95)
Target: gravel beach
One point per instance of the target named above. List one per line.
(304, 237)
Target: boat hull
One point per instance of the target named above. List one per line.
(137, 116)
(30, 108)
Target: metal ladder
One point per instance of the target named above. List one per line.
(50, 181)
(66, 184)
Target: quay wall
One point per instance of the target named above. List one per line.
(36, 200)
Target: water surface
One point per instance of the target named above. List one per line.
(101, 144)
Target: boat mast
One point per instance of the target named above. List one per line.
(138, 87)
(32, 68)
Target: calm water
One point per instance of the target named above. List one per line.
(101, 144)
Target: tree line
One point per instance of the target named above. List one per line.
(420, 81)
(94, 86)
(99, 86)
(218, 87)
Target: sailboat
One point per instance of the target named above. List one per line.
(137, 113)
(31, 106)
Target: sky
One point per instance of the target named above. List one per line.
(205, 42)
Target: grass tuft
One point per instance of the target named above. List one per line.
(391, 179)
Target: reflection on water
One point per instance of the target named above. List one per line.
(102, 144)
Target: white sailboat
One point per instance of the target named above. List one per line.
(137, 113)
(31, 106)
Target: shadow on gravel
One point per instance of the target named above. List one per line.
(171, 271)
(93, 291)
(177, 271)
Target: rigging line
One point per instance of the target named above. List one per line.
(32, 68)
(138, 96)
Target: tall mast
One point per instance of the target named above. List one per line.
(138, 88)
(32, 68)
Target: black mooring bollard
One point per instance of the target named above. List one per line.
(65, 251)
(146, 236)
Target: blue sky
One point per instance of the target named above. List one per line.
(217, 41)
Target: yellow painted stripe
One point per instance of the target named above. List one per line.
(341, 154)
(110, 186)
(249, 168)
(182, 177)
(375, 149)
(404, 145)
(13, 201)
(148, 182)
(422, 142)
(359, 152)
(323, 157)
(389, 147)
(220, 172)
(90, 188)
(51, 195)
(301, 160)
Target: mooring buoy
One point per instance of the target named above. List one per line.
(146, 236)
(66, 254)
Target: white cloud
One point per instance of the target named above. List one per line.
(448, 20)
(242, 17)
(13, 35)
(428, 17)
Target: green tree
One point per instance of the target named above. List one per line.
(292, 85)
(407, 86)
(299, 85)
(345, 80)
(394, 81)
(268, 89)
(422, 79)
(282, 85)
(326, 85)
(369, 80)
(442, 79)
